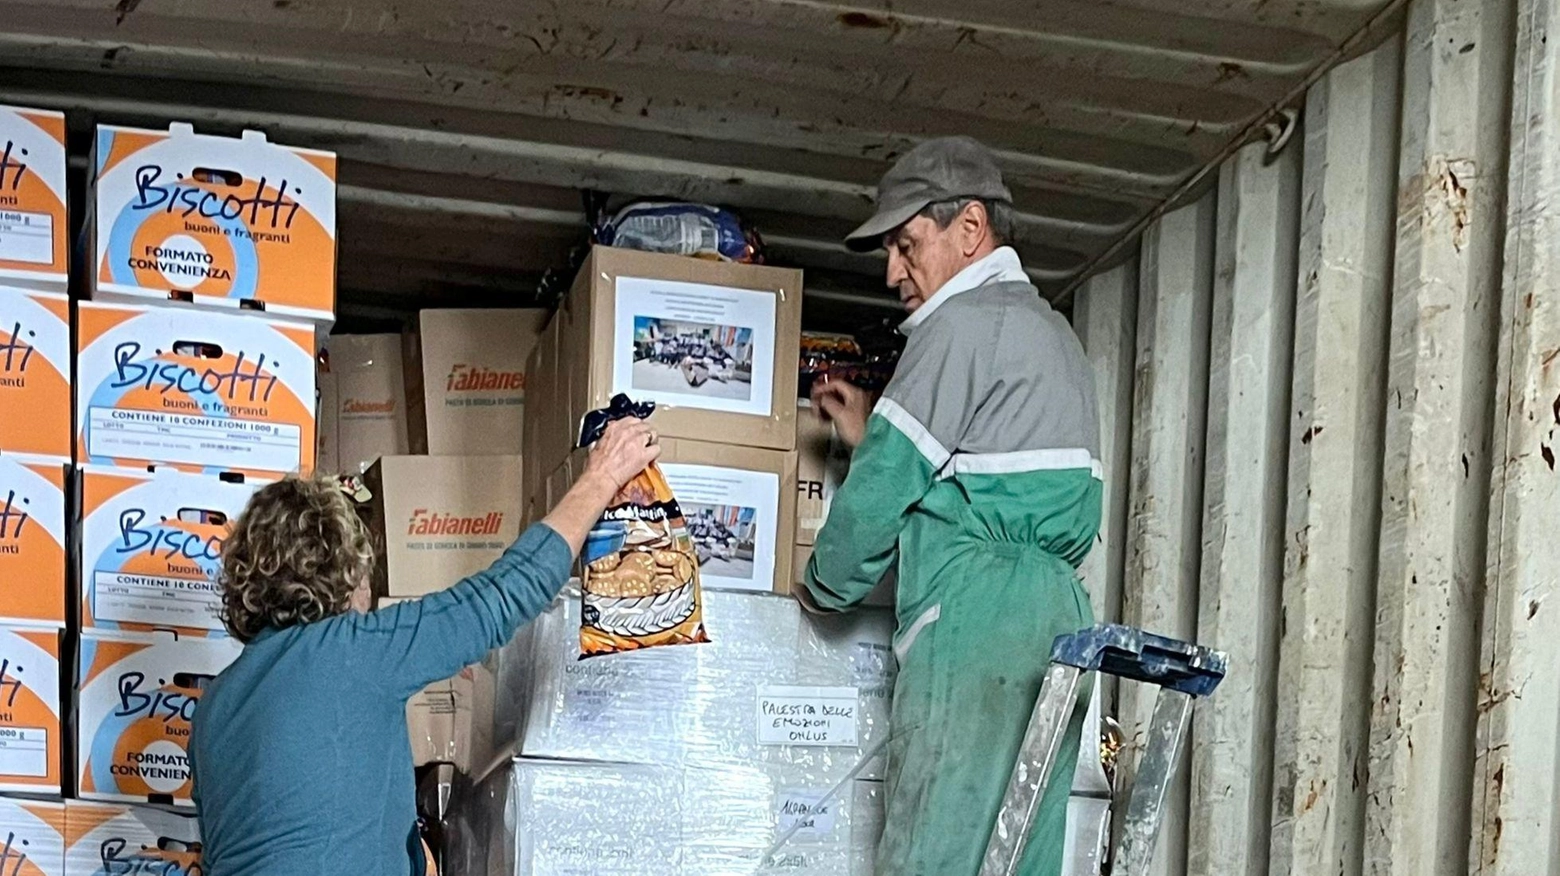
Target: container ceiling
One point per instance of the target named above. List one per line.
(468, 128)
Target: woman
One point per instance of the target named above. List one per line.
(299, 749)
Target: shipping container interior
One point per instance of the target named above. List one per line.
(1301, 242)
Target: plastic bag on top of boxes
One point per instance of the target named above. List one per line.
(682, 228)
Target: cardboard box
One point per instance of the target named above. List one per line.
(474, 378)
(739, 504)
(106, 838)
(32, 541)
(33, 834)
(441, 518)
(31, 738)
(362, 402)
(34, 228)
(713, 344)
(150, 549)
(198, 390)
(35, 356)
(451, 721)
(137, 695)
(225, 222)
(822, 463)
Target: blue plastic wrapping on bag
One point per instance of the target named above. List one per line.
(680, 229)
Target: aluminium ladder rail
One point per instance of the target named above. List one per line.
(1183, 672)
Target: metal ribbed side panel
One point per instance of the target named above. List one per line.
(1393, 705)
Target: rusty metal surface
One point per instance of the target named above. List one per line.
(788, 109)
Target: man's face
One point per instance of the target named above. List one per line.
(922, 257)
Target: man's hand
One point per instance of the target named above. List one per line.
(846, 405)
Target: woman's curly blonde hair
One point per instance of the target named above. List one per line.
(295, 556)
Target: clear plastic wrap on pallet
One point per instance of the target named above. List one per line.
(597, 819)
(866, 827)
(700, 705)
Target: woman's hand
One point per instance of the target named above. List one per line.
(846, 405)
(625, 449)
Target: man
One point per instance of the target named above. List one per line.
(977, 472)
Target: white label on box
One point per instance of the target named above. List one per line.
(733, 517)
(156, 599)
(812, 716)
(218, 442)
(26, 237)
(695, 346)
(802, 807)
(24, 751)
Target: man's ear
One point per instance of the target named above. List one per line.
(974, 227)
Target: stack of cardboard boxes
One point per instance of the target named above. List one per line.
(684, 759)
(212, 268)
(714, 346)
(433, 420)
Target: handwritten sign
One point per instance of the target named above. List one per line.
(814, 716)
(798, 807)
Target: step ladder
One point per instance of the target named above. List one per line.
(1183, 672)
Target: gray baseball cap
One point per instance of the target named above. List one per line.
(944, 169)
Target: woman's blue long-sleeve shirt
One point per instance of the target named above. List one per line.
(299, 749)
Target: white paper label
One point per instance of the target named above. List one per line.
(156, 599)
(26, 237)
(695, 346)
(811, 716)
(801, 807)
(733, 517)
(218, 442)
(24, 751)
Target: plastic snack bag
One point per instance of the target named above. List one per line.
(640, 576)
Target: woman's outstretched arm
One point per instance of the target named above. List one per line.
(415, 643)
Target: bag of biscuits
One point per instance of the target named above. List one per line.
(640, 575)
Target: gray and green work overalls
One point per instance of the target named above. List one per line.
(979, 475)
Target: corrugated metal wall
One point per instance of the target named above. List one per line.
(1331, 400)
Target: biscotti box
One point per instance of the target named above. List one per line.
(713, 344)
(439, 519)
(221, 222)
(35, 372)
(138, 693)
(34, 230)
(31, 734)
(150, 547)
(198, 390)
(33, 540)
